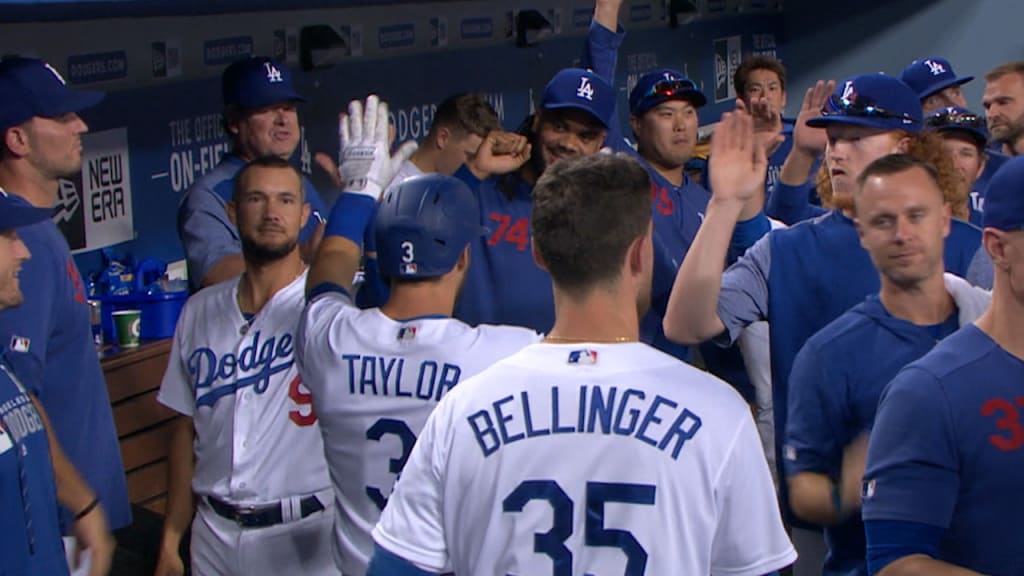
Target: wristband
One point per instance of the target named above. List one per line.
(350, 216)
(88, 508)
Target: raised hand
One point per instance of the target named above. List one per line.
(738, 164)
(364, 161)
(811, 141)
(499, 153)
(767, 123)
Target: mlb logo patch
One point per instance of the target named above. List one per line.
(20, 343)
(582, 357)
(409, 268)
(407, 333)
(867, 490)
(789, 452)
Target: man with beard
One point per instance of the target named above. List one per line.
(839, 374)
(516, 468)
(860, 126)
(505, 285)
(261, 119)
(376, 374)
(1004, 107)
(247, 443)
(48, 340)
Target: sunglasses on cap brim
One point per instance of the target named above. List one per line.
(837, 106)
(954, 120)
(670, 88)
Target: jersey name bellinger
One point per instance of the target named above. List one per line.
(207, 368)
(659, 422)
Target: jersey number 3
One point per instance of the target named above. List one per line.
(552, 542)
(376, 432)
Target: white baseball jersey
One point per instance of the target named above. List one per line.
(256, 434)
(374, 382)
(588, 459)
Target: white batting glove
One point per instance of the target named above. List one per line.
(363, 158)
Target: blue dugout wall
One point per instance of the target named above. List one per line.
(160, 62)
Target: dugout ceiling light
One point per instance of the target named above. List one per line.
(531, 28)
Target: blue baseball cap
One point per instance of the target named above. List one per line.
(581, 89)
(1004, 197)
(660, 86)
(931, 75)
(30, 87)
(958, 120)
(872, 100)
(258, 82)
(17, 213)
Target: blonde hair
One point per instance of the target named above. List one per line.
(925, 147)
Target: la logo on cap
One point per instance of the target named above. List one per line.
(585, 90)
(936, 67)
(273, 74)
(55, 73)
(849, 94)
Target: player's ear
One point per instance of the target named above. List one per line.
(903, 145)
(442, 137)
(306, 211)
(537, 257)
(634, 123)
(463, 262)
(16, 141)
(995, 245)
(232, 210)
(636, 260)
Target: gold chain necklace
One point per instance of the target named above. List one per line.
(568, 340)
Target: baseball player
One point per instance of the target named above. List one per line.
(946, 458)
(936, 84)
(247, 444)
(505, 286)
(34, 472)
(261, 119)
(879, 107)
(376, 374)
(584, 454)
(1004, 107)
(964, 137)
(801, 278)
(839, 374)
(48, 339)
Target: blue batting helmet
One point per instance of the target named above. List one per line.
(424, 224)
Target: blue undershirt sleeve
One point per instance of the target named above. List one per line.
(890, 540)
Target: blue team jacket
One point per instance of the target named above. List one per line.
(834, 388)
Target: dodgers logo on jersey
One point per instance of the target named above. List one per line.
(582, 357)
(273, 74)
(936, 68)
(586, 90)
(260, 360)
